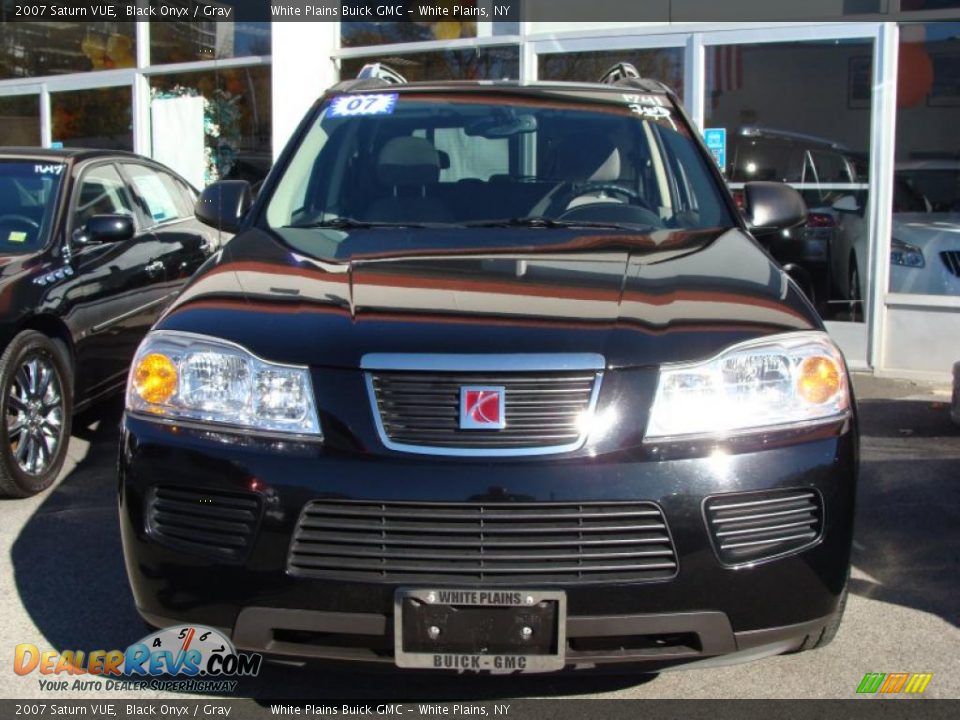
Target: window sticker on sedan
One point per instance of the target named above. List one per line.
(379, 104)
(17, 236)
(156, 197)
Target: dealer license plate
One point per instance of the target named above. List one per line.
(484, 630)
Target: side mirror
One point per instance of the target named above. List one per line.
(772, 206)
(105, 229)
(223, 204)
(848, 203)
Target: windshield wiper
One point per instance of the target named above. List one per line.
(345, 223)
(543, 222)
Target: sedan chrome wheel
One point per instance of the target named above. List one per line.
(34, 414)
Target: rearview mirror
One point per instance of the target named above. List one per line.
(502, 125)
(223, 204)
(105, 229)
(772, 206)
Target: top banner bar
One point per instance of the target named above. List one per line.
(436, 11)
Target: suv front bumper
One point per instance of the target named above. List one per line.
(707, 609)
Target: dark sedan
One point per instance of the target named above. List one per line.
(93, 246)
(493, 377)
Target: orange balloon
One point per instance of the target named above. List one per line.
(118, 44)
(92, 47)
(119, 51)
(914, 76)
(446, 30)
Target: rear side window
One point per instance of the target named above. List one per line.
(159, 193)
(831, 168)
(762, 159)
(470, 158)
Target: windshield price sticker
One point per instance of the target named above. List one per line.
(650, 106)
(348, 105)
(650, 111)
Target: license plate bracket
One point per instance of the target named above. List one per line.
(489, 630)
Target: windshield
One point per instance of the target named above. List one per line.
(402, 159)
(940, 187)
(28, 192)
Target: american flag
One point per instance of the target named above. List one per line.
(725, 66)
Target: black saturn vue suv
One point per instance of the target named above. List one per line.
(493, 377)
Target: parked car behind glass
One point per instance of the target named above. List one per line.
(822, 171)
(925, 241)
(93, 245)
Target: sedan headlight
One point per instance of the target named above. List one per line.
(779, 381)
(183, 376)
(907, 255)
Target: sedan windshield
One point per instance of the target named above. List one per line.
(28, 192)
(588, 159)
(939, 187)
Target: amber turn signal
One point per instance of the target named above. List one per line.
(818, 379)
(155, 378)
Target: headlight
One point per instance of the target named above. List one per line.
(785, 380)
(907, 255)
(182, 376)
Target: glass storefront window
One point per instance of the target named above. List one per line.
(32, 49)
(356, 33)
(485, 63)
(20, 120)
(663, 64)
(925, 242)
(911, 5)
(177, 42)
(238, 117)
(359, 34)
(799, 112)
(99, 118)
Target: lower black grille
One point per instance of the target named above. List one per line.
(214, 524)
(506, 543)
(746, 527)
(951, 258)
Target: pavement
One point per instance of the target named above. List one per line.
(64, 585)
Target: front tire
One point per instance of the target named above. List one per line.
(36, 407)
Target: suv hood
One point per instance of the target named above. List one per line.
(635, 299)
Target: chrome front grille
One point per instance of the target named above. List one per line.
(499, 543)
(951, 258)
(418, 410)
(747, 527)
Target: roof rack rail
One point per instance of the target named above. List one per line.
(380, 71)
(620, 71)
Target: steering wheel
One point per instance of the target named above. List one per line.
(19, 219)
(585, 188)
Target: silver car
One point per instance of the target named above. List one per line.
(925, 244)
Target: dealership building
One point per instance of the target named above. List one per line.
(854, 102)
